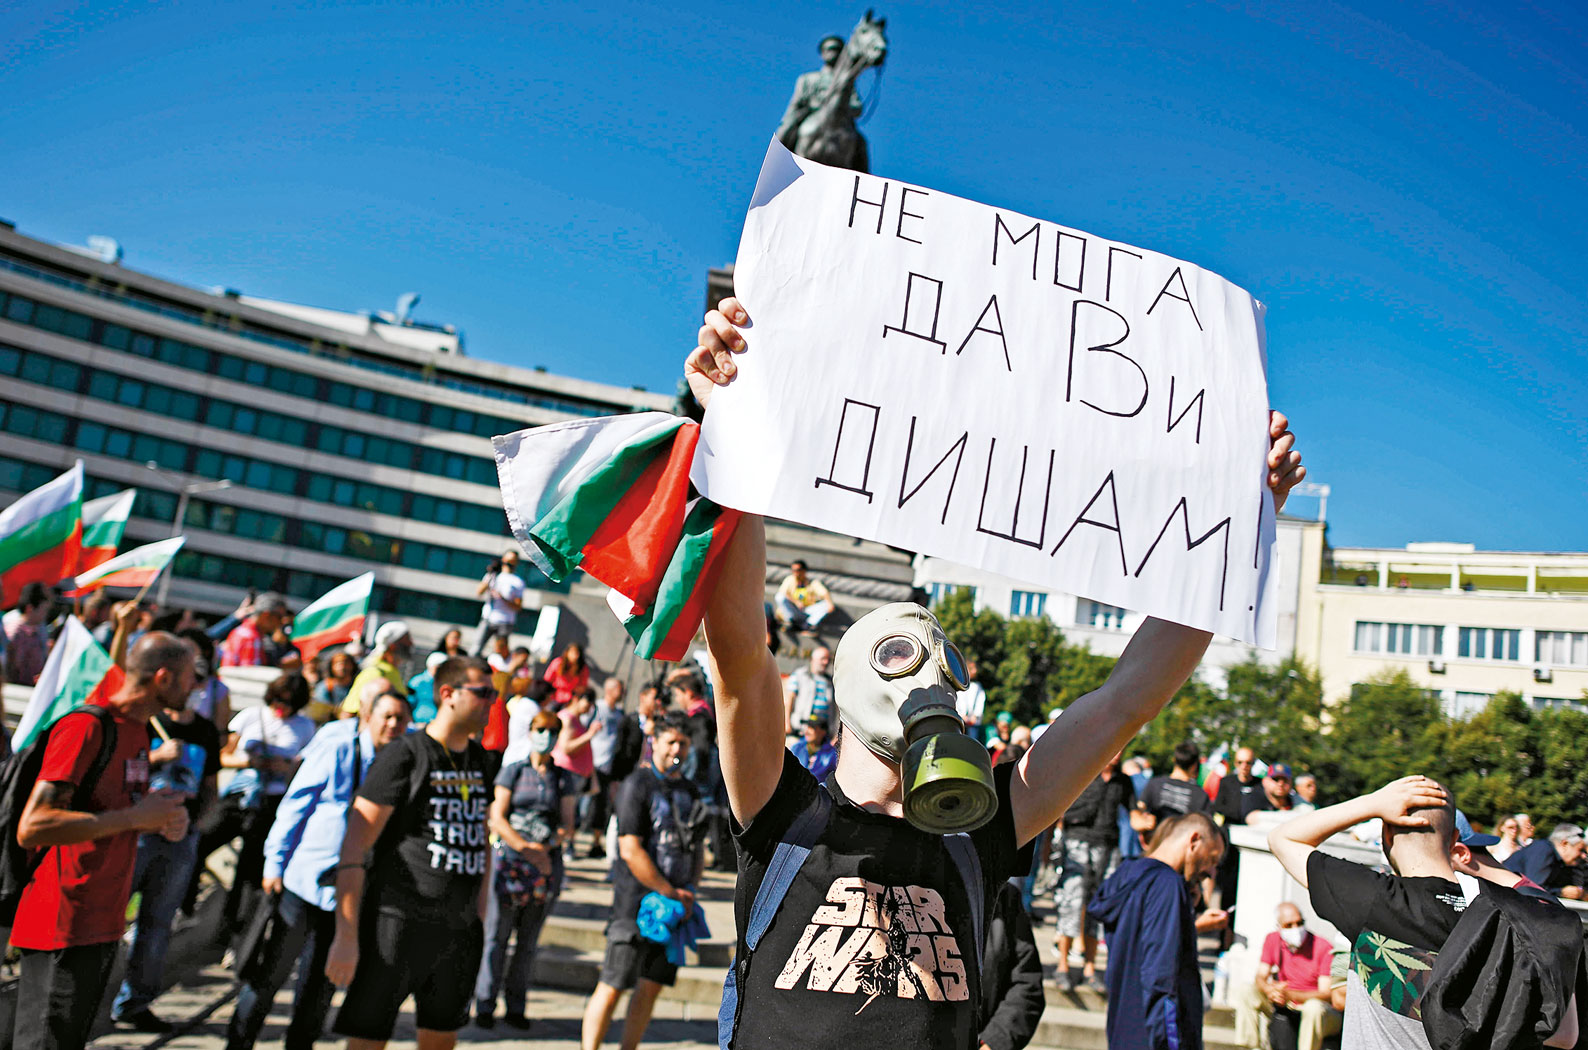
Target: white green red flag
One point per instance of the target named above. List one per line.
(41, 534)
(104, 520)
(336, 616)
(77, 672)
(137, 568)
(611, 496)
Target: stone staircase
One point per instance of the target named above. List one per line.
(573, 941)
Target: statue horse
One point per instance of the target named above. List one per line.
(829, 135)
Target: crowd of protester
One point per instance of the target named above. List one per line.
(400, 825)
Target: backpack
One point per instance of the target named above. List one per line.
(787, 859)
(18, 776)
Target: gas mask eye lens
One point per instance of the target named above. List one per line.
(954, 664)
(897, 655)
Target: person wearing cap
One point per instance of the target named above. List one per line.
(422, 689)
(1003, 727)
(1549, 862)
(815, 752)
(1273, 799)
(393, 643)
(250, 643)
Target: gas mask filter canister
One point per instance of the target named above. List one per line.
(896, 676)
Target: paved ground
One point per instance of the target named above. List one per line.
(202, 1007)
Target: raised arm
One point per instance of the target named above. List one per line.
(1295, 840)
(750, 715)
(1152, 669)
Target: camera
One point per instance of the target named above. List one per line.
(494, 568)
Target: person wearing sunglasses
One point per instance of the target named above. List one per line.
(861, 899)
(409, 916)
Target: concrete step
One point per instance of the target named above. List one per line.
(589, 935)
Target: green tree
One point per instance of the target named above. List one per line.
(1388, 727)
(1275, 710)
(1490, 760)
(1558, 788)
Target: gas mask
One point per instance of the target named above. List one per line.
(896, 675)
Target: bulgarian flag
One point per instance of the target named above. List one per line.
(41, 534)
(78, 671)
(104, 520)
(137, 568)
(336, 616)
(611, 496)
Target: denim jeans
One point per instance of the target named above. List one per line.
(304, 937)
(503, 921)
(161, 874)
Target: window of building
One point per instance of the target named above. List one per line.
(1561, 648)
(1027, 603)
(1465, 705)
(1545, 703)
(936, 592)
(1099, 614)
(1490, 643)
(1401, 639)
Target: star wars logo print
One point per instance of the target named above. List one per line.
(874, 940)
(457, 822)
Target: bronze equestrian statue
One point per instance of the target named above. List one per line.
(820, 121)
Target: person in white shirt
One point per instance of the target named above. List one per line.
(972, 700)
(503, 590)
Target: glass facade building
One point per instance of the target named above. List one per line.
(351, 442)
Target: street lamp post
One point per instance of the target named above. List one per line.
(185, 490)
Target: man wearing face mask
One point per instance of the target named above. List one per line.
(1291, 991)
(1148, 909)
(659, 853)
(861, 900)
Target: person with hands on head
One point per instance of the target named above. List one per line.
(794, 989)
(1388, 918)
(72, 913)
(411, 921)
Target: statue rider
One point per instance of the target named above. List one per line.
(810, 89)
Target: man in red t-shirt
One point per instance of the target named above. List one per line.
(1291, 990)
(73, 912)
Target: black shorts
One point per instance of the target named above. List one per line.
(399, 956)
(639, 958)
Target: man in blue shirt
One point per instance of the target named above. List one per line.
(1550, 862)
(815, 752)
(305, 844)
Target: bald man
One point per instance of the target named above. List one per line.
(88, 806)
(1290, 996)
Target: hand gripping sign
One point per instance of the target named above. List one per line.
(971, 383)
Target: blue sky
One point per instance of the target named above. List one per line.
(1406, 186)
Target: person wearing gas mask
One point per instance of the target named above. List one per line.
(861, 900)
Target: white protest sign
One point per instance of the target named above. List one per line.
(972, 383)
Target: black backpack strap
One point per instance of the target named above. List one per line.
(790, 855)
(968, 861)
(107, 750)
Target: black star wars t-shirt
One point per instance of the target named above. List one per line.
(873, 945)
(431, 856)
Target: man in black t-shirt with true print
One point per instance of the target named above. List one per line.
(659, 851)
(873, 943)
(410, 919)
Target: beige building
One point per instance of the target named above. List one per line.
(1463, 622)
